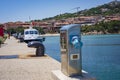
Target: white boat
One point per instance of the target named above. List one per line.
(32, 35)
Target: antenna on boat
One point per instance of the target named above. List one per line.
(30, 23)
(29, 18)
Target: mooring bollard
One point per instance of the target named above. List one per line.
(40, 49)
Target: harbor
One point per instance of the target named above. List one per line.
(51, 41)
(100, 54)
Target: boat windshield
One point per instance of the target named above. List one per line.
(31, 32)
(26, 32)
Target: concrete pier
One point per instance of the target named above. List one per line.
(58, 75)
(18, 62)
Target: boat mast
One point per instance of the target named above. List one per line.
(30, 23)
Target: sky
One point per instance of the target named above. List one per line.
(20, 10)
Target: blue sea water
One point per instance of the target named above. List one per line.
(100, 55)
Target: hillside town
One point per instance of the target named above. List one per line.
(55, 25)
(103, 13)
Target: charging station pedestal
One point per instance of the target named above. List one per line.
(70, 41)
(71, 58)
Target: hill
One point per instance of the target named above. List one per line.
(111, 8)
(106, 9)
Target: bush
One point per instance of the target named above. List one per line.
(1, 40)
(5, 36)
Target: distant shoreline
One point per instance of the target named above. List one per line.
(57, 34)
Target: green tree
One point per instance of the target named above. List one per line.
(110, 27)
(41, 30)
(11, 30)
(19, 29)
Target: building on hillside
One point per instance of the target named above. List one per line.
(58, 25)
(16, 24)
(112, 18)
(44, 25)
(86, 20)
(10, 25)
